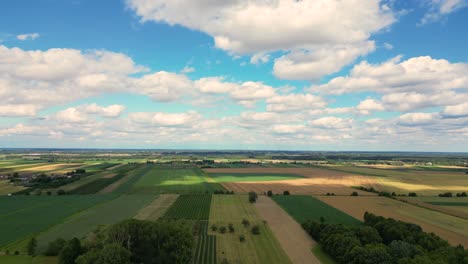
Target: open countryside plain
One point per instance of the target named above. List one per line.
(110, 192)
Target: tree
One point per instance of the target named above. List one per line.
(222, 229)
(241, 238)
(270, 193)
(255, 230)
(231, 228)
(214, 228)
(54, 247)
(245, 222)
(412, 194)
(111, 253)
(286, 193)
(70, 251)
(252, 197)
(31, 246)
(61, 192)
(354, 194)
(368, 235)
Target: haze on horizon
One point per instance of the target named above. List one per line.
(277, 74)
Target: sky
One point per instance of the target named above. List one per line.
(367, 75)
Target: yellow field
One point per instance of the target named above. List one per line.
(263, 248)
(51, 167)
(157, 208)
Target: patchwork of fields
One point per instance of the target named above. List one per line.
(110, 192)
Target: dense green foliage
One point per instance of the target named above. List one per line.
(190, 207)
(383, 240)
(303, 208)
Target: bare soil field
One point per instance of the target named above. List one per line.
(317, 181)
(293, 239)
(109, 175)
(116, 166)
(157, 208)
(111, 187)
(453, 229)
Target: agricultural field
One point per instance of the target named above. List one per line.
(455, 206)
(116, 210)
(309, 181)
(255, 177)
(27, 260)
(157, 208)
(303, 208)
(232, 209)
(450, 228)
(17, 212)
(6, 187)
(423, 181)
(190, 207)
(167, 180)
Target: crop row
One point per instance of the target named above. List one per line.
(190, 207)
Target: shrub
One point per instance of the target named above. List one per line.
(31, 246)
(214, 228)
(231, 228)
(252, 197)
(286, 193)
(270, 193)
(412, 194)
(222, 229)
(354, 194)
(245, 222)
(54, 247)
(241, 238)
(255, 230)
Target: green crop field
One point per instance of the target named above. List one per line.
(27, 260)
(236, 177)
(21, 216)
(121, 208)
(166, 180)
(303, 208)
(190, 207)
(6, 187)
(205, 248)
(232, 209)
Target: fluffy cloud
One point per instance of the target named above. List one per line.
(164, 86)
(104, 111)
(308, 31)
(331, 122)
(369, 105)
(165, 119)
(441, 8)
(30, 36)
(294, 102)
(454, 111)
(412, 119)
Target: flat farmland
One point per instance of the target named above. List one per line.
(303, 208)
(314, 181)
(190, 207)
(263, 248)
(167, 180)
(456, 206)
(292, 237)
(17, 212)
(451, 228)
(427, 182)
(157, 208)
(113, 211)
(27, 260)
(6, 187)
(50, 167)
(244, 177)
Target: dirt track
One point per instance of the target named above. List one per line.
(293, 239)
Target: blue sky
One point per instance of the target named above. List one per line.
(313, 75)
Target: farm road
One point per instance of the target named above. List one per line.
(293, 239)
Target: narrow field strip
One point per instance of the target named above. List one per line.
(293, 239)
(157, 208)
(190, 207)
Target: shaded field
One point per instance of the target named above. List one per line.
(157, 208)
(28, 260)
(303, 208)
(102, 182)
(293, 239)
(451, 228)
(315, 181)
(116, 210)
(167, 180)
(263, 248)
(455, 206)
(21, 216)
(424, 181)
(236, 177)
(190, 207)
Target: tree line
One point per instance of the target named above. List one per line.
(384, 240)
